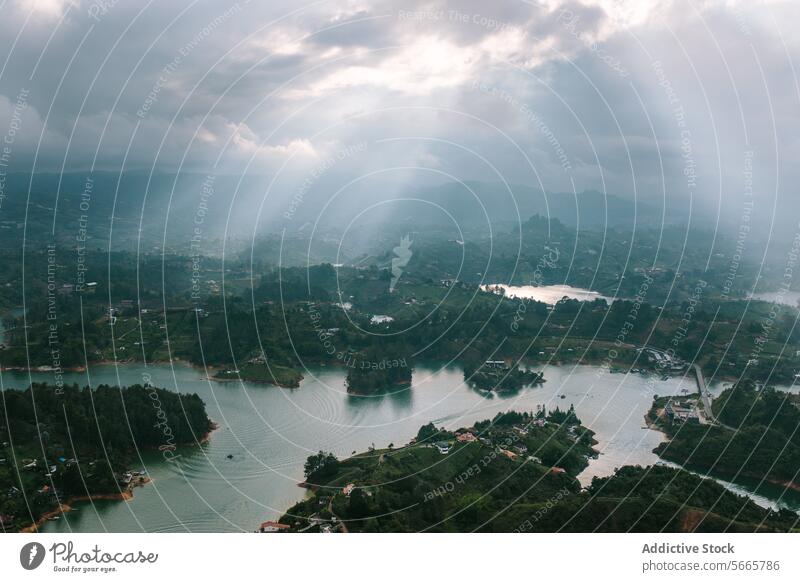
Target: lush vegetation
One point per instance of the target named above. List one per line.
(757, 437)
(516, 456)
(376, 370)
(488, 484)
(662, 499)
(270, 322)
(74, 442)
(320, 466)
(263, 314)
(502, 379)
(261, 372)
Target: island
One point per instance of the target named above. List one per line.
(497, 375)
(260, 372)
(374, 371)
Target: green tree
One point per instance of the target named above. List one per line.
(321, 465)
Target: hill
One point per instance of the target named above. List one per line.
(516, 473)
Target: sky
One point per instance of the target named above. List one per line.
(694, 103)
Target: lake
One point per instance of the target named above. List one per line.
(270, 431)
(550, 294)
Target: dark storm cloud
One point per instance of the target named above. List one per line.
(635, 96)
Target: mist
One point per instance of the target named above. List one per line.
(340, 115)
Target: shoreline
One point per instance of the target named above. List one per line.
(255, 381)
(78, 369)
(717, 474)
(207, 371)
(67, 505)
(207, 437)
(126, 495)
(733, 477)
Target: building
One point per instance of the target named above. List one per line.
(682, 411)
(443, 447)
(466, 437)
(273, 527)
(495, 364)
(348, 489)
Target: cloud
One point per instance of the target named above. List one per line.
(562, 80)
(49, 8)
(421, 68)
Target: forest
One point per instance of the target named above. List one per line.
(63, 442)
(516, 475)
(756, 437)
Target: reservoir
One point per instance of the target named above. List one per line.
(270, 431)
(550, 294)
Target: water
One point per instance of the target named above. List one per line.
(716, 387)
(270, 431)
(764, 494)
(790, 298)
(550, 294)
